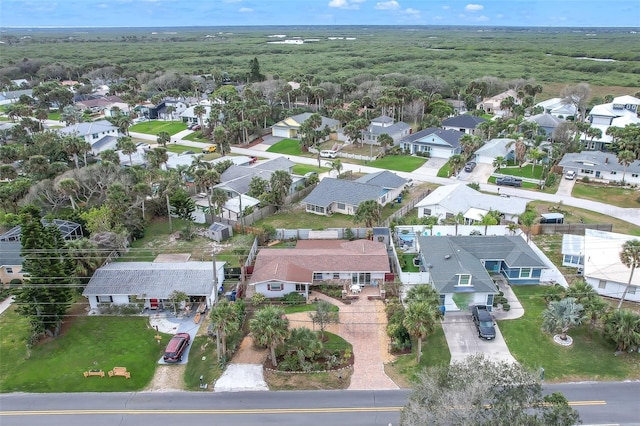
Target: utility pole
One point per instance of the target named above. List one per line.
(169, 214)
(215, 286)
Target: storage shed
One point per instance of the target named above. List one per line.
(220, 231)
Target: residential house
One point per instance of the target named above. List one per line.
(344, 196)
(557, 108)
(466, 123)
(546, 122)
(501, 147)
(492, 105)
(460, 267)
(597, 255)
(109, 106)
(152, 283)
(622, 111)
(602, 166)
(459, 107)
(178, 105)
(278, 272)
(290, 127)
(385, 125)
(190, 117)
(438, 143)
(447, 201)
(11, 247)
(231, 209)
(101, 135)
(236, 179)
(13, 96)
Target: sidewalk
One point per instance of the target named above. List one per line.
(4, 305)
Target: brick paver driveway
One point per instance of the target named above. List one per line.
(363, 324)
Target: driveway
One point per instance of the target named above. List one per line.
(463, 339)
(431, 167)
(480, 174)
(566, 186)
(168, 323)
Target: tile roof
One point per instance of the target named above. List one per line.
(153, 280)
(298, 264)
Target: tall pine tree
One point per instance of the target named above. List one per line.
(46, 294)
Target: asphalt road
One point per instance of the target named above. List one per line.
(598, 403)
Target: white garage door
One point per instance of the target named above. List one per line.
(280, 132)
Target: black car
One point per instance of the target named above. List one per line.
(470, 166)
(509, 181)
(484, 323)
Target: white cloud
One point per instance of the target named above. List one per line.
(387, 5)
(346, 4)
(473, 7)
(103, 6)
(412, 12)
(245, 10)
(446, 7)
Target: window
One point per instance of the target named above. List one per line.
(464, 279)
(613, 172)
(635, 175)
(336, 275)
(449, 216)
(586, 171)
(301, 287)
(105, 299)
(602, 284)
(632, 289)
(8, 270)
(525, 273)
(341, 206)
(426, 212)
(317, 276)
(94, 136)
(275, 286)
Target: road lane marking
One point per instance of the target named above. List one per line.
(230, 411)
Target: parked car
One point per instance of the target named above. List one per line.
(483, 321)
(187, 153)
(196, 127)
(328, 153)
(191, 126)
(143, 145)
(209, 149)
(470, 166)
(176, 347)
(509, 181)
(570, 175)
(253, 159)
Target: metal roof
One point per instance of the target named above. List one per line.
(69, 230)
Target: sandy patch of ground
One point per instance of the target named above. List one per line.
(167, 378)
(248, 353)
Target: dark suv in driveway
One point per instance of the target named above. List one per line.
(176, 347)
(483, 321)
(470, 166)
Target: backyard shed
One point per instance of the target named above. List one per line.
(220, 231)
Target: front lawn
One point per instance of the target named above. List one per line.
(306, 307)
(88, 343)
(400, 163)
(435, 352)
(287, 147)
(524, 171)
(196, 137)
(54, 116)
(179, 149)
(298, 218)
(589, 358)
(203, 362)
(616, 196)
(154, 127)
(302, 169)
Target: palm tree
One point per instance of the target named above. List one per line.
(69, 187)
(111, 156)
(455, 160)
(498, 162)
(625, 158)
(127, 146)
(226, 321)
(420, 320)
(269, 327)
(561, 315)
(527, 218)
(218, 199)
(170, 110)
(163, 138)
(630, 257)
(280, 183)
(385, 140)
(304, 343)
(623, 327)
(369, 212)
(336, 165)
(199, 111)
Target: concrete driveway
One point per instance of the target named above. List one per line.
(566, 186)
(431, 167)
(480, 174)
(168, 323)
(463, 339)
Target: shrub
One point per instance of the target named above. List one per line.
(474, 185)
(506, 307)
(294, 299)
(258, 298)
(586, 179)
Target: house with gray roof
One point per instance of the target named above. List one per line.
(13, 96)
(290, 127)
(385, 125)
(602, 166)
(501, 147)
(122, 283)
(438, 143)
(557, 108)
(460, 267)
(546, 122)
(466, 123)
(10, 262)
(101, 135)
(237, 178)
(447, 201)
(344, 196)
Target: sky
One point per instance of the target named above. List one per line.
(181, 13)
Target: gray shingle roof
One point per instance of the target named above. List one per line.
(82, 129)
(390, 130)
(153, 280)
(382, 119)
(385, 179)
(278, 163)
(450, 137)
(331, 190)
(464, 121)
(597, 160)
(10, 253)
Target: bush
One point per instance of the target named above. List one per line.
(474, 185)
(258, 299)
(294, 299)
(586, 179)
(506, 307)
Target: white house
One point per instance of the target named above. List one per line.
(602, 166)
(494, 148)
(446, 202)
(555, 107)
(622, 111)
(438, 143)
(101, 135)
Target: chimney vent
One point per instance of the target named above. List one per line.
(447, 256)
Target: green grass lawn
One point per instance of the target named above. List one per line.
(202, 362)
(616, 196)
(401, 163)
(56, 365)
(525, 185)
(302, 169)
(54, 116)
(196, 137)
(303, 220)
(182, 148)
(524, 171)
(287, 147)
(435, 352)
(445, 170)
(155, 127)
(589, 358)
(410, 267)
(306, 307)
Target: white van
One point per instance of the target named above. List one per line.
(328, 153)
